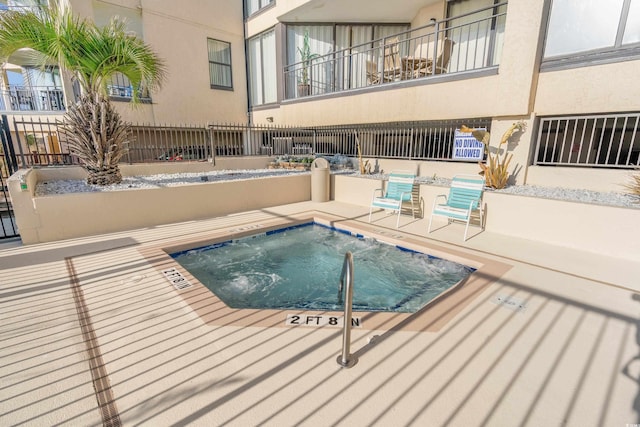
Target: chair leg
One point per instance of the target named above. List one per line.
(429, 228)
(370, 211)
(398, 220)
(466, 228)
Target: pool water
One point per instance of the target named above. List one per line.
(299, 268)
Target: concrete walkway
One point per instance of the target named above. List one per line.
(92, 333)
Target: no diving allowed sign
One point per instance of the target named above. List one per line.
(466, 146)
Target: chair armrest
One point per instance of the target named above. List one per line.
(476, 202)
(435, 200)
(402, 195)
(374, 193)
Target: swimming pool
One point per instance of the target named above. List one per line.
(299, 267)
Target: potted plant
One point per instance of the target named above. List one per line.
(32, 143)
(304, 87)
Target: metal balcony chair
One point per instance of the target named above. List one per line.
(442, 62)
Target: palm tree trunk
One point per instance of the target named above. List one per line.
(97, 135)
(105, 175)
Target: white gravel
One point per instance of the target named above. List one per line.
(172, 180)
(160, 180)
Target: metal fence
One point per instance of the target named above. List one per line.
(167, 143)
(38, 143)
(601, 140)
(426, 140)
(605, 140)
(8, 227)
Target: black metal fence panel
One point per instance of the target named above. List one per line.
(599, 140)
(8, 226)
(8, 165)
(38, 143)
(167, 143)
(426, 140)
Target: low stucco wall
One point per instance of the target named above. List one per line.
(580, 178)
(606, 230)
(64, 216)
(544, 176)
(600, 229)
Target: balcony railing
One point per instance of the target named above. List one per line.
(119, 88)
(459, 44)
(32, 98)
(23, 6)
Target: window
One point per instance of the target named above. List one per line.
(592, 26)
(262, 68)
(255, 5)
(219, 64)
(316, 73)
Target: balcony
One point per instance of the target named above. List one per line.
(32, 98)
(120, 89)
(465, 43)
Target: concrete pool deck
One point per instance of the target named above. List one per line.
(93, 320)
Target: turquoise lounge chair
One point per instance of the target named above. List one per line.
(465, 197)
(399, 190)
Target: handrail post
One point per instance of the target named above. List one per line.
(346, 359)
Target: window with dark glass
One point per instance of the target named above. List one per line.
(219, 64)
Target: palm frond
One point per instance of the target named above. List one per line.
(92, 55)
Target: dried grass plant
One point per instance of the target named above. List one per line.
(364, 166)
(496, 169)
(634, 185)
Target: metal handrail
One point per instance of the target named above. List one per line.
(346, 359)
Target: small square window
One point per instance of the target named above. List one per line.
(219, 64)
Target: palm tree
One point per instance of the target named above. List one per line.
(90, 55)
